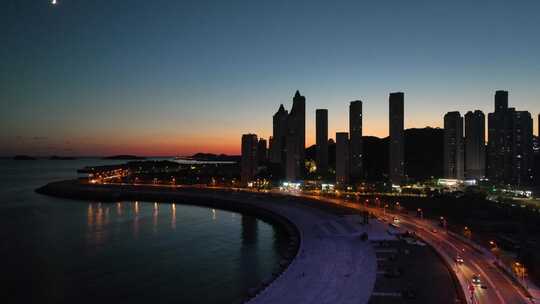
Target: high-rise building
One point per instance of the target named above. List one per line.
(342, 158)
(356, 145)
(248, 162)
(454, 165)
(475, 144)
(262, 151)
(510, 148)
(321, 125)
(296, 138)
(397, 155)
(520, 135)
(279, 136)
(536, 141)
(497, 142)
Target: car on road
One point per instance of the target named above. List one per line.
(396, 220)
(459, 259)
(476, 279)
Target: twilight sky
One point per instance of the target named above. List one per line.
(166, 77)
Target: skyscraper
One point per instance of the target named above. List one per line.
(321, 125)
(356, 145)
(262, 155)
(342, 158)
(520, 135)
(475, 144)
(397, 163)
(510, 152)
(279, 136)
(454, 166)
(497, 142)
(248, 162)
(296, 138)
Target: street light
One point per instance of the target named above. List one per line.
(521, 272)
(467, 232)
(443, 222)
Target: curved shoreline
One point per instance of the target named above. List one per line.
(72, 189)
(328, 261)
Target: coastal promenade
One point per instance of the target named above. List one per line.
(328, 261)
(332, 264)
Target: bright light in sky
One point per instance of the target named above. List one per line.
(53, 2)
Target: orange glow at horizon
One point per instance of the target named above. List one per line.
(182, 144)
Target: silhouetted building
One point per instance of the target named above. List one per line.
(279, 136)
(497, 142)
(510, 150)
(296, 138)
(424, 153)
(342, 158)
(356, 146)
(475, 144)
(248, 162)
(536, 140)
(454, 165)
(321, 124)
(521, 148)
(262, 151)
(396, 163)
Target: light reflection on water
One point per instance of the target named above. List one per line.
(64, 251)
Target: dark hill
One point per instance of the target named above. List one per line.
(423, 154)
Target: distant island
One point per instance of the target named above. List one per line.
(124, 157)
(211, 157)
(23, 157)
(56, 157)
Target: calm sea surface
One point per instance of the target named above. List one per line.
(63, 251)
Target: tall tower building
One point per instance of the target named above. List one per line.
(520, 135)
(296, 138)
(497, 143)
(397, 155)
(321, 125)
(248, 162)
(262, 151)
(279, 136)
(342, 158)
(475, 144)
(510, 151)
(356, 145)
(454, 166)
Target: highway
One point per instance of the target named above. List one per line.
(495, 286)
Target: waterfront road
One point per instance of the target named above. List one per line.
(495, 286)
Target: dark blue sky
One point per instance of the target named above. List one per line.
(167, 77)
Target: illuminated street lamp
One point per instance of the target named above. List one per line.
(520, 272)
(420, 213)
(443, 222)
(495, 249)
(467, 232)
